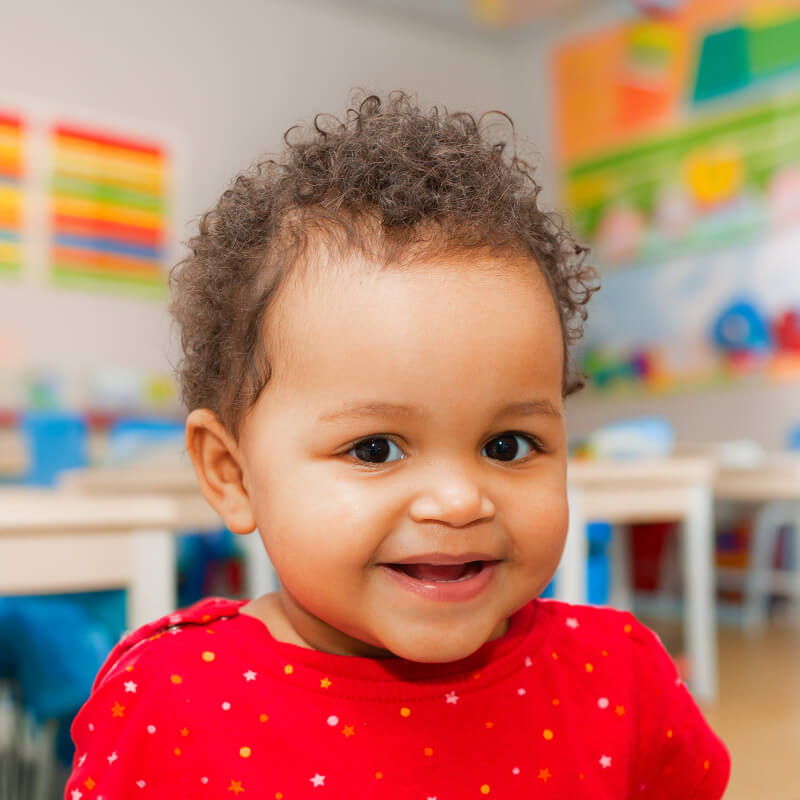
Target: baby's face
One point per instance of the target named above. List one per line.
(406, 463)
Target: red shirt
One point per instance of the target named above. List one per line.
(572, 702)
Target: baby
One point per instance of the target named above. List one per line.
(376, 332)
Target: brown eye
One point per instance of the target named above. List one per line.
(376, 450)
(508, 447)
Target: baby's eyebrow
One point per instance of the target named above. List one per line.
(373, 409)
(529, 408)
(358, 410)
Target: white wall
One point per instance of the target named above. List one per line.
(229, 77)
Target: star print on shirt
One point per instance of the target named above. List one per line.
(81, 760)
(113, 757)
(130, 686)
(605, 762)
(236, 787)
(451, 697)
(250, 675)
(572, 623)
(318, 780)
(77, 794)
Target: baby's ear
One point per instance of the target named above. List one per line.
(215, 456)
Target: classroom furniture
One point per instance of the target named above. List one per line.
(178, 482)
(651, 490)
(57, 540)
(773, 483)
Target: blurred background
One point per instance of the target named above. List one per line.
(667, 133)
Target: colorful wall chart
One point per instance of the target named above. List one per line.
(11, 194)
(108, 210)
(678, 138)
(676, 131)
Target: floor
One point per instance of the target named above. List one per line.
(758, 714)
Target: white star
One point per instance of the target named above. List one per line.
(113, 757)
(451, 697)
(520, 692)
(605, 762)
(91, 726)
(130, 686)
(250, 675)
(175, 630)
(528, 661)
(515, 771)
(572, 623)
(318, 780)
(81, 760)
(603, 702)
(141, 784)
(77, 794)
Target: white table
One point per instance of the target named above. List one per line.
(60, 541)
(673, 489)
(178, 482)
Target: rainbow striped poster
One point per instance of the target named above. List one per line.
(108, 211)
(11, 205)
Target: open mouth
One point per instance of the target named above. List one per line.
(441, 573)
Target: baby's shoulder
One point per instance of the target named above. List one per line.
(170, 642)
(595, 636)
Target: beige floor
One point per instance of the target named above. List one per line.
(758, 714)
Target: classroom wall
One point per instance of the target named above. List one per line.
(751, 409)
(228, 78)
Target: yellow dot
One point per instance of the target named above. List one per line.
(278, 795)
(206, 618)
(428, 751)
(263, 718)
(245, 752)
(476, 675)
(177, 751)
(555, 656)
(288, 669)
(706, 764)
(605, 652)
(485, 789)
(208, 656)
(325, 683)
(209, 630)
(129, 668)
(580, 775)
(176, 679)
(556, 701)
(669, 733)
(405, 712)
(589, 668)
(378, 775)
(547, 733)
(628, 628)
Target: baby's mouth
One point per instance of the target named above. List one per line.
(440, 573)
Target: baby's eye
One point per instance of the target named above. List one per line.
(376, 450)
(509, 446)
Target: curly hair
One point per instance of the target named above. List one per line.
(390, 179)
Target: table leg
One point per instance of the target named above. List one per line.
(571, 575)
(621, 589)
(699, 613)
(153, 588)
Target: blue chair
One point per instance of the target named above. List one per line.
(52, 646)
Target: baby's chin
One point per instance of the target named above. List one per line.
(439, 646)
